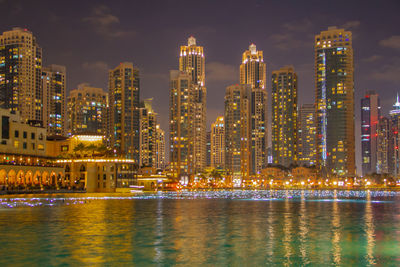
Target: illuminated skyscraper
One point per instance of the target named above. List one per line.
(124, 92)
(370, 114)
(208, 148)
(181, 124)
(394, 152)
(160, 148)
(253, 72)
(383, 156)
(87, 111)
(54, 96)
(334, 101)
(21, 88)
(238, 131)
(306, 136)
(284, 116)
(148, 134)
(218, 143)
(192, 61)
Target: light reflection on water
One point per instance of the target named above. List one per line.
(202, 228)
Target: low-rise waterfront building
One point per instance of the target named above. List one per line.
(23, 159)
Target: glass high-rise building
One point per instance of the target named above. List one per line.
(54, 100)
(334, 100)
(306, 146)
(370, 114)
(284, 116)
(253, 72)
(124, 89)
(20, 74)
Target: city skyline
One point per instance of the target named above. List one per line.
(372, 58)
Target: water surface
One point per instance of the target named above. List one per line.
(250, 228)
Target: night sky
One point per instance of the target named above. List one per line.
(90, 37)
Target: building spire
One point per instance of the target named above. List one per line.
(253, 49)
(191, 41)
(397, 104)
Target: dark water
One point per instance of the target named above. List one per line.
(236, 228)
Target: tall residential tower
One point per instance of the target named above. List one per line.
(370, 114)
(87, 110)
(54, 100)
(181, 124)
(306, 146)
(238, 131)
(217, 144)
(20, 74)
(192, 61)
(253, 73)
(123, 87)
(284, 116)
(334, 100)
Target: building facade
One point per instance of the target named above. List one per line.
(238, 131)
(54, 96)
(148, 134)
(334, 100)
(19, 137)
(370, 114)
(24, 163)
(383, 157)
(192, 62)
(217, 144)
(181, 124)
(253, 72)
(284, 116)
(87, 110)
(394, 153)
(306, 146)
(160, 148)
(208, 148)
(21, 88)
(124, 90)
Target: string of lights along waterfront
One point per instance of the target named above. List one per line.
(311, 145)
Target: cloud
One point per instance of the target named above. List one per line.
(288, 41)
(97, 66)
(298, 26)
(292, 35)
(220, 72)
(391, 42)
(351, 24)
(372, 58)
(388, 72)
(106, 24)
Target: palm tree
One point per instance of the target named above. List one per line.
(91, 148)
(102, 149)
(79, 149)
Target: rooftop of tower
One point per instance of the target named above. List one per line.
(253, 49)
(191, 41)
